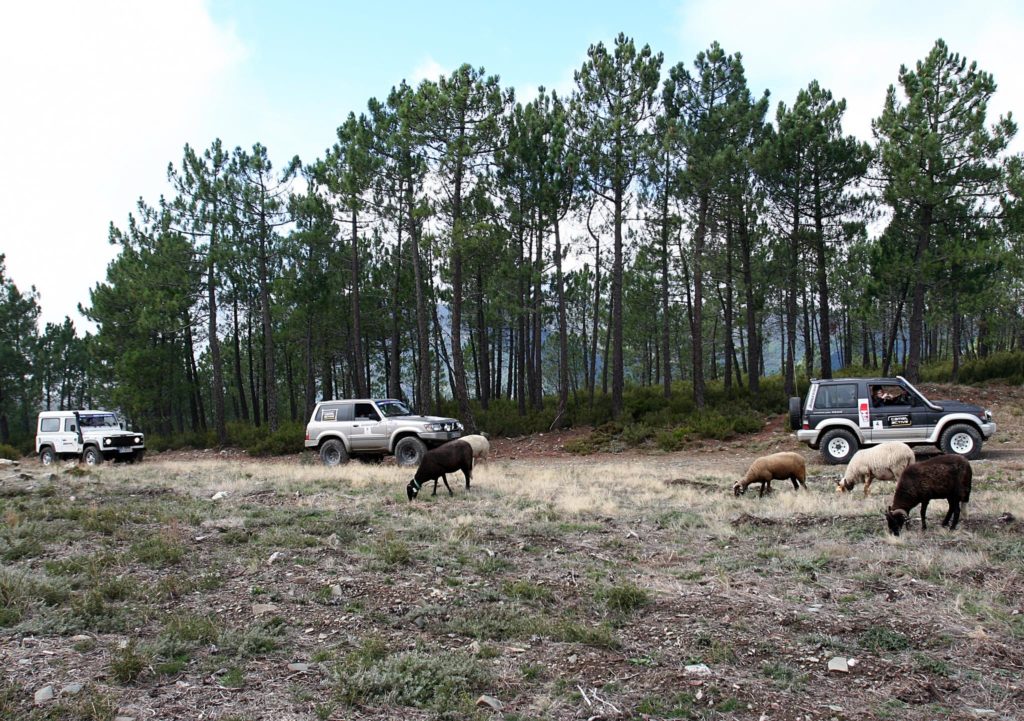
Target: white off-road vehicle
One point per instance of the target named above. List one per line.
(373, 428)
(88, 436)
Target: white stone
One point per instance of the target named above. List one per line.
(698, 669)
(44, 694)
(838, 665)
(490, 702)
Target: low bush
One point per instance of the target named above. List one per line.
(9, 452)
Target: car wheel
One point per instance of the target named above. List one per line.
(409, 451)
(838, 446)
(794, 414)
(961, 439)
(47, 456)
(333, 453)
(92, 456)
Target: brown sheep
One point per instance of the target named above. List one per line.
(946, 476)
(452, 456)
(776, 466)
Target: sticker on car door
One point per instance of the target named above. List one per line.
(865, 413)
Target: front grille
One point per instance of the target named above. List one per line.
(121, 442)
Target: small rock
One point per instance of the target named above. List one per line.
(838, 665)
(124, 718)
(336, 591)
(489, 702)
(218, 495)
(698, 669)
(983, 711)
(273, 557)
(44, 694)
(262, 609)
(299, 667)
(71, 689)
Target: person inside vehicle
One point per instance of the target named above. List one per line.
(880, 396)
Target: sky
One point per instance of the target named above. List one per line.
(98, 97)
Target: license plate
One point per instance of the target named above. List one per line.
(124, 450)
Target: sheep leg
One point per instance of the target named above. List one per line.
(796, 484)
(766, 487)
(924, 509)
(954, 513)
(435, 486)
(445, 479)
(467, 471)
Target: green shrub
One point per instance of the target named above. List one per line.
(9, 452)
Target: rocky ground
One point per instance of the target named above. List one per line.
(612, 586)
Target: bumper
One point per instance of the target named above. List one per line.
(988, 430)
(438, 437)
(808, 437)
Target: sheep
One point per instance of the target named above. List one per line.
(481, 446)
(884, 462)
(776, 466)
(452, 456)
(945, 476)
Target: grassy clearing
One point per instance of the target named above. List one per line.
(563, 589)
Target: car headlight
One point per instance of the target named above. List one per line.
(106, 441)
(138, 440)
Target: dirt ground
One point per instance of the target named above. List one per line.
(619, 586)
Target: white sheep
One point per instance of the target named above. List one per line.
(776, 466)
(480, 445)
(884, 462)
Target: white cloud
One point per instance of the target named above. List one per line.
(855, 50)
(428, 69)
(99, 97)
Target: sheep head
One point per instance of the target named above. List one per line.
(738, 489)
(896, 519)
(413, 489)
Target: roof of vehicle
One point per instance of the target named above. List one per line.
(69, 412)
(893, 380)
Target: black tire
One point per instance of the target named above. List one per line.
(795, 411)
(961, 439)
(333, 453)
(47, 456)
(409, 451)
(838, 446)
(92, 456)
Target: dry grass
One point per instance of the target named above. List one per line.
(564, 588)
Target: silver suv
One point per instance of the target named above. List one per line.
(89, 436)
(374, 428)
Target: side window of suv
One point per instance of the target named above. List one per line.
(49, 425)
(835, 397)
(366, 412)
(69, 424)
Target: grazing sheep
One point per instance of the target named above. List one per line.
(884, 462)
(776, 466)
(947, 476)
(448, 458)
(481, 446)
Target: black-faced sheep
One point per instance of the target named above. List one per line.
(947, 476)
(884, 462)
(776, 466)
(452, 456)
(481, 446)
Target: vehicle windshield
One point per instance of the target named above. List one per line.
(104, 420)
(391, 408)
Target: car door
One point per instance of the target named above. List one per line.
(900, 417)
(369, 432)
(69, 437)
